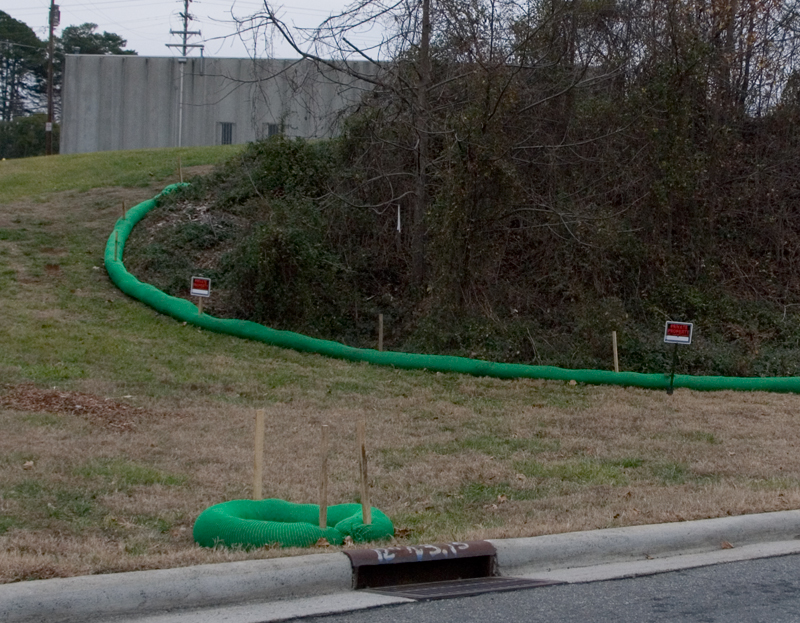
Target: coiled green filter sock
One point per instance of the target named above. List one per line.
(250, 524)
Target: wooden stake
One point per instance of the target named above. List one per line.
(258, 460)
(323, 480)
(380, 332)
(366, 509)
(123, 211)
(616, 356)
(180, 170)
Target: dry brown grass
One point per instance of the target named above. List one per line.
(452, 457)
(441, 470)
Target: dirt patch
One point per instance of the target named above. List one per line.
(202, 169)
(105, 412)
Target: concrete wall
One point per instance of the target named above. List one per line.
(132, 102)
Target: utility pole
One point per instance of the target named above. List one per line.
(55, 19)
(184, 46)
(185, 33)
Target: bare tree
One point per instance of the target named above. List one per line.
(448, 78)
(403, 31)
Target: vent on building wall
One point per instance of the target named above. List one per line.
(226, 133)
(271, 129)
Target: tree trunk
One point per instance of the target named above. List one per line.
(423, 156)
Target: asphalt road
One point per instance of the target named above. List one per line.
(766, 590)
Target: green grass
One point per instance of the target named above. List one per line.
(8, 459)
(481, 493)
(581, 471)
(12, 234)
(43, 419)
(86, 326)
(700, 436)
(31, 177)
(7, 522)
(51, 505)
(670, 473)
(503, 448)
(122, 474)
(773, 484)
(497, 446)
(50, 502)
(627, 462)
(157, 523)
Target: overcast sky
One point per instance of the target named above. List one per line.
(146, 23)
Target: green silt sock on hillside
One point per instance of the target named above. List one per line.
(186, 311)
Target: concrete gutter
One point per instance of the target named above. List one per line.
(145, 593)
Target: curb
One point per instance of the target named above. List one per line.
(82, 599)
(79, 599)
(584, 549)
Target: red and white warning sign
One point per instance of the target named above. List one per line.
(678, 332)
(201, 286)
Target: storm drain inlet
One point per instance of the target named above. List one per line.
(433, 571)
(460, 588)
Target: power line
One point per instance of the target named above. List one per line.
(22, 45)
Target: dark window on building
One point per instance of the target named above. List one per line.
(226, 133)
(273, 129)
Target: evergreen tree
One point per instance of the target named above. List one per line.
(84, 40)
(22, 69)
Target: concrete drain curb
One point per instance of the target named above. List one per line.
(88, 598)
(583, 549)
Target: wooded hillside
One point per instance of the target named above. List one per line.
(559, 169)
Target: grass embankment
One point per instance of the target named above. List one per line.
(39, 177)
(151, 421)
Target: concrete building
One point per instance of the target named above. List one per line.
(134, 102)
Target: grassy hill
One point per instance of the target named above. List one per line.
(119, 426)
